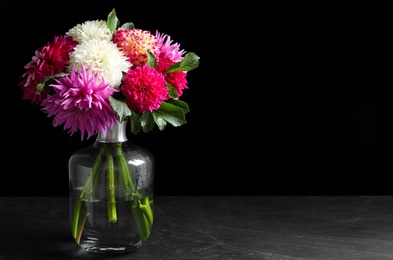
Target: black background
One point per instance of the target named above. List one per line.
(287, 100)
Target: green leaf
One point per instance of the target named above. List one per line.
(147, 122)
(121, 108)
(189, 62)
(151, 60)
(112, 21)
(135, 123)
(128, 26)
(170, 113)
(161, 123)
(172, 91)
(44, 85)
(180, 103)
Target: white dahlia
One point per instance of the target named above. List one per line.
(104, 57)
(88, 30)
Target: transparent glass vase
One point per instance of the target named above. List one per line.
(111, 193)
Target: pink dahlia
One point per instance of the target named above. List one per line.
(170, 53)
(48, 60)
(144, 88)
(168, 49)
(178, 81)
(81, 103)
(134, 43)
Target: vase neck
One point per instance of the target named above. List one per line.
(114, 135)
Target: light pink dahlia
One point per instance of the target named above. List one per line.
(168, 49)
(47, 61)
(144, 88)
(134, 44)
(81, 104)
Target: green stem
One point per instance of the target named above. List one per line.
(141, 209)
(110, 186)
(81, 223)
(129, 185)
(75, 218)
(77, 225)
(141, 224)
(146, 210)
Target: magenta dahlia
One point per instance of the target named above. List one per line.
(81, 102)
(47, 61)
(178, 81)
(144, 88)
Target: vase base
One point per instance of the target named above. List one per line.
(110, 249)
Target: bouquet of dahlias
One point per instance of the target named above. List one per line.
(100, 73)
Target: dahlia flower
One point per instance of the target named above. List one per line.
(88, 30)
(144, 88)
(178, 81)
(170, 54)
(47, 61)
(103, 57)
(81, 103)
(134, 43)
(168, 49)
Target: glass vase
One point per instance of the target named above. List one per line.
(111, 193)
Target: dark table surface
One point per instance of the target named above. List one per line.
(249, 227)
